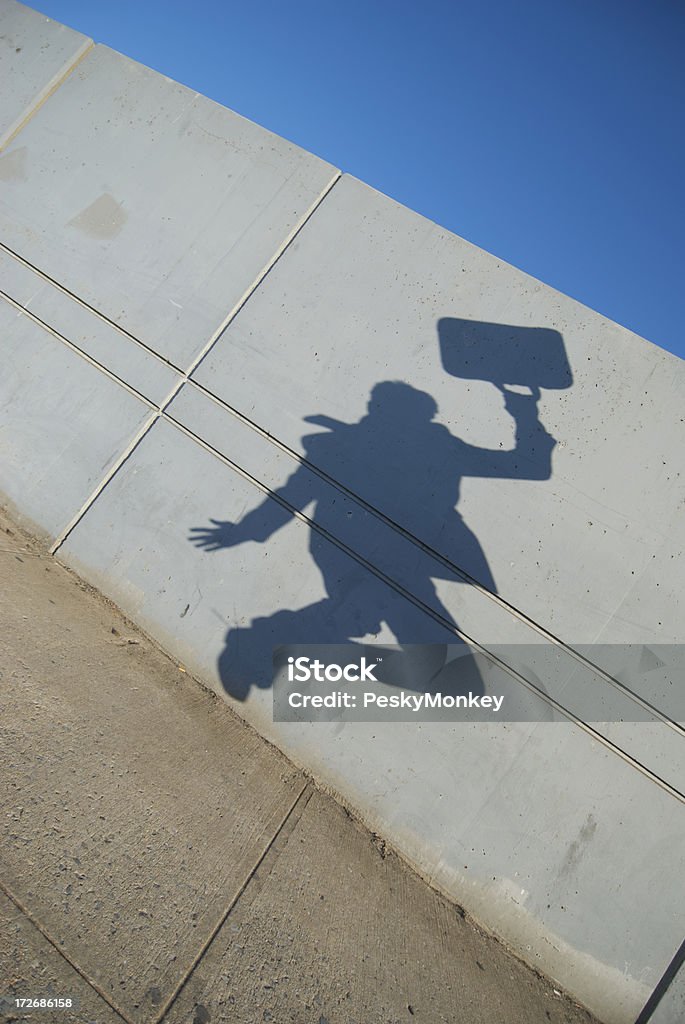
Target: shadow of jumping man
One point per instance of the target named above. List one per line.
(399, 460)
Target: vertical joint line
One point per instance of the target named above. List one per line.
(31, 113)
(292, 815)
(183, 378)
(133, 444)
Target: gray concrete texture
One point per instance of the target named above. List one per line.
(153, 204)
(256, 403)
(671, 1006)
(161, 861)
(36, 55)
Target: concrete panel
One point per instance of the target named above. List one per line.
(62, 423)
(205, 598)
(397, 557)
(371, 292)
(127, 854)
(36, 54)
(32, 968)
(140, 368)
(563, 865)
(153, 204)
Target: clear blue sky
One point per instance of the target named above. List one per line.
(549, 132)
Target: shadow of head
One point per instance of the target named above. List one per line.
(406, 400)
(503, 354)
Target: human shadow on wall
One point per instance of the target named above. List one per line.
(403, 463)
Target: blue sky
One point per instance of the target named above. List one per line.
(549, 132)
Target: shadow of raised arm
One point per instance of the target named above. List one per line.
(529, 459)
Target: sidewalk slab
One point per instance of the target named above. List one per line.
(134, 809)
(31, 967)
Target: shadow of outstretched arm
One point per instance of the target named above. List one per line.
(259, 524)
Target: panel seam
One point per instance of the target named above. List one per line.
(295, 810)
(33, 920)
(37, 104)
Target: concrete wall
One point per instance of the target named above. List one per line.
(210, 335)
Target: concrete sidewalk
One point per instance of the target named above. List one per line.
(160, 861)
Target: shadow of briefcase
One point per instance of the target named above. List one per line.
(534, 357)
